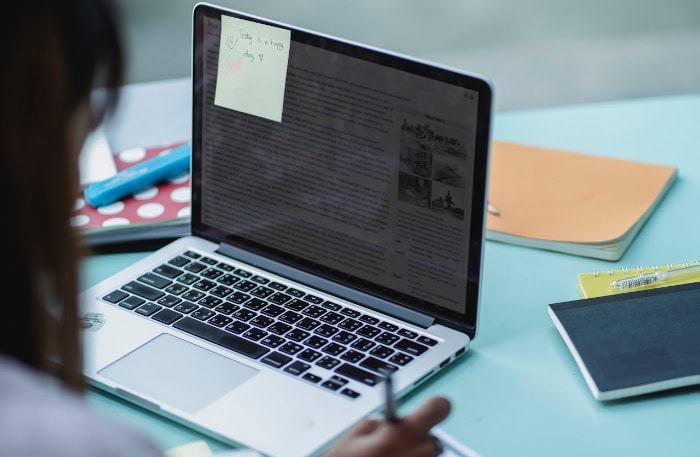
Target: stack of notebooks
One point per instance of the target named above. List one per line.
(159, 212)
(634, 341)
(566, 201)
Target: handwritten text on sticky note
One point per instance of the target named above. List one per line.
(252, 68)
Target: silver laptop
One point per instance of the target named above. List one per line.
(338, 208)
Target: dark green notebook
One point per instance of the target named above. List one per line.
(634, 343)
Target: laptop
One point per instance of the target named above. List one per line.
(337, 231)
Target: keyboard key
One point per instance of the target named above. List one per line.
(326, 330)
(219, 320)
(169, 301)
(142, 290)
(243, 273)
(349, 393)
(245, 285)
(208, 260)
(179, 261)
(315, 342)
(313, 311)
(204, 285)
(296, 305)
(309, 355)
(297, 367)
(387, 338)
(210, 301)
(332, 305)
(350, 324)
(334, 349)
(238, 297)
(363, 344)
(291, 348)
(262, 292)
(202, 314)
(272, 341)
(211, 273)
(254, 334)
(311, 377)
(226, 308)
(411, 347)
(308, 324)
(276, 359)
(221, 291)
(353, 356)
(400, 359)
(297, 334)
(195, 267)
(176, 288)
(406, 333)
(334, 383)
(369, 319)
(389, 326)
(358, 374)
(132, 302)
(368, 331)
(168, 271)
(259, 279)
(290, 317)
(279, 298)
(332, 318)
(380, 366)
(295, 292)
(220, 337)
(188, 278)
(166, 316)
(193, 295)
(148, 308)
(327, 362)
(228, 279)
(185, 307)
(237, 327)
(261, 321)
(313, 299)
(279, 328)
(382, 351)
(277, 286)
(344, 337)
(427, 341)
(255, 304)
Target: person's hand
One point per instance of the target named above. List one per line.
(407, 437)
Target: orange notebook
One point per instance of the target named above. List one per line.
(568, 201)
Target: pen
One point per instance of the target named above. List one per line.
(138, 177)
(649, 279)
(389, 399)
(390, 409)
(493, 210)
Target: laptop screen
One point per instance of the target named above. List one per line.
(354, 164)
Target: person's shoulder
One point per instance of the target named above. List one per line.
(40, 417)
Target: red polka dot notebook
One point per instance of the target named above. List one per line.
(156, 212)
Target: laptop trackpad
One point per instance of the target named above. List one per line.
(194, 376)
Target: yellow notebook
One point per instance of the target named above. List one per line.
(597, 283)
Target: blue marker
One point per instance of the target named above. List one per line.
(164, 166)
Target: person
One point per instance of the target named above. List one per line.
(54, 54)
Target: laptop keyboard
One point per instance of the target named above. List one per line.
(263, 319)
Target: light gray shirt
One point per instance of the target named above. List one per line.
(40, 418)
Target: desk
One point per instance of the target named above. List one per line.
(517, 391)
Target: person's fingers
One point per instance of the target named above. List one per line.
(430, 413)
(365, 427)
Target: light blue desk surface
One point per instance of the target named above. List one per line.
(518, 392)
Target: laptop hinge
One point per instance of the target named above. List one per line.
(328, 286)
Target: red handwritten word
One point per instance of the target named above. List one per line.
(234, 67)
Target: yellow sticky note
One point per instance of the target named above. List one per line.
(193, 449)
(252, 72)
